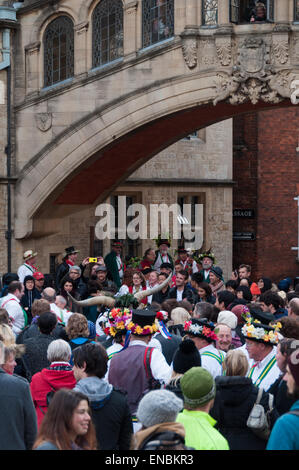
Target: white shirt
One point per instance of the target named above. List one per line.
(119, 266)
(160, 259)
(124, 289)
(11, 304)
(210, 363)
(260, 366)
(179, 295)
(150, 297)
(25, 270)
(62, 314)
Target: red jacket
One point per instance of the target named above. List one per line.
(58, 375)
(144, 300)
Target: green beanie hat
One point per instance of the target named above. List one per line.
(198, 387)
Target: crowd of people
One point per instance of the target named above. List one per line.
(162, 354)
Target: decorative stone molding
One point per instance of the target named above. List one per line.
(131, 7)
(280, 51)
(224, 52)
(43, 121)
(189, 47)
(32, 48)
(81, 27)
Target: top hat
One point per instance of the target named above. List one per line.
(70, 251)
(143, 322)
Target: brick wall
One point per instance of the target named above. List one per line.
(266, 169)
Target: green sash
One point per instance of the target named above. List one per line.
(215, 356)
(264, 372)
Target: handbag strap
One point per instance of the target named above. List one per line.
(259, 395)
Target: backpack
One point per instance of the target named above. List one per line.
(152, 382)
(167, 440)
(258, 420)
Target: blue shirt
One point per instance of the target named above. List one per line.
(285, 433)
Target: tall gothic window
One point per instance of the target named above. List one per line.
(209, 12)
(296, 10)
(157, 21)
(107, 32)
(58, 51)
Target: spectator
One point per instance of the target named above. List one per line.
(39, 281)
(198, 387)
(204, 292)
(243, 292)
(285, 434)
(50, 379)
(216, 280)
(235, 398)
(163, 294)
(36, 347)
(203, 310)
(224, 299)
(67, 424)
(178, 317)
(265, 284)
(30, 294)
(68, 287)
(282, 401)
(18, 420)
(186, 356)
(157, 412)
(271, 302)
(77, 330)
(181, 291)
(109, 407)
(293, 308)
(289, 327)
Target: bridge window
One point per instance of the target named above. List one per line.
(58, 51)
(209, 12)
(107, 32)
(245, 11)
(157, 20)
(296, 10)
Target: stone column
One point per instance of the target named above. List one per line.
(130, 27)
(192, 13)
(281, 12)
(223, 12)
(82, 54)
(32, 68)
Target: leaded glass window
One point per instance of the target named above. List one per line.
(107, 32)
(157, 21)
(296, 10)
(209, 12)
(58, 51)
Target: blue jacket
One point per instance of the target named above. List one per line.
(285, 433)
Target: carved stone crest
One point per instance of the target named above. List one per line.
(253, 78)
(43, 121)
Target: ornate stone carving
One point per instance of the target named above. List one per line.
(281, 51)
(253, 78)
(43, 121)
(189, 47)
(224, 53)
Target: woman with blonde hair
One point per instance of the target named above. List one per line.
(178, 317)
(77, 330)
(13, 362)
(235, 398)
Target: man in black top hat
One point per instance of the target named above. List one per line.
(69, 259)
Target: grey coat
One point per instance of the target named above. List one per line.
(18, 428)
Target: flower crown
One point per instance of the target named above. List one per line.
(142, 331)
(159, 238)
(202, 330)
(117, 318)
(252, 330)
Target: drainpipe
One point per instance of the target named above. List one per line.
(7, 14)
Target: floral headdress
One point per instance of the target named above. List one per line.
(199, 256)
(142, 331)
(255, 330)
(161, 317)
(200, 330)
(117, 318)
(159, 240)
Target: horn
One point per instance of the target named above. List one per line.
(145, 293)
(99, 300)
